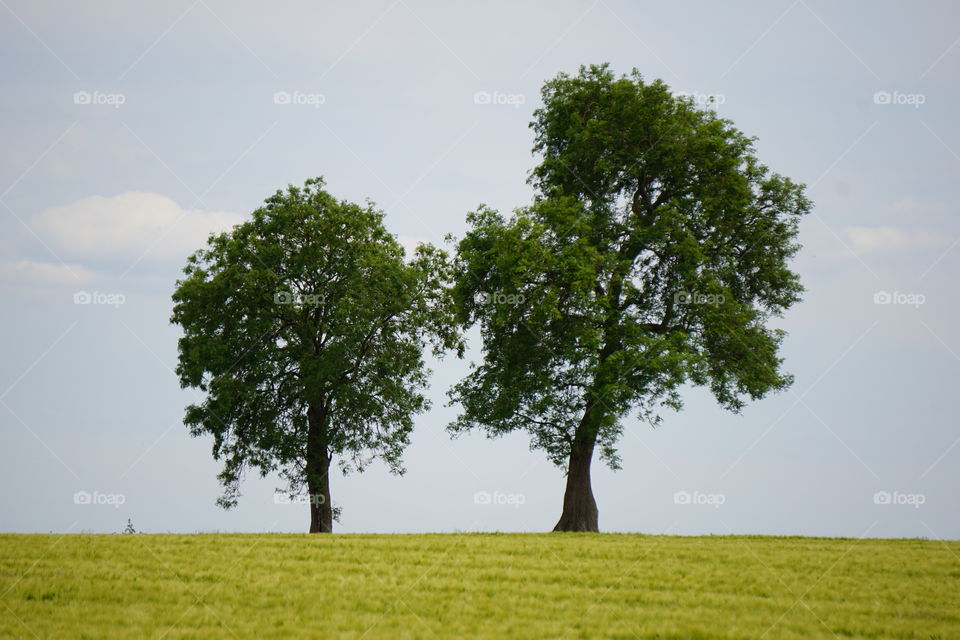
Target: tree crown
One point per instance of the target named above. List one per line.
(309, 306)
(654, 254)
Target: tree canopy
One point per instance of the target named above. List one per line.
(654, 255)
(305, 328)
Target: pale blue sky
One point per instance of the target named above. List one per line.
(131, 129)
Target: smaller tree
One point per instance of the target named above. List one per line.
(305, 327)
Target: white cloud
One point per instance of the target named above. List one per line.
(128, 227)
(890, 240)
(29, 273)
(913, 208)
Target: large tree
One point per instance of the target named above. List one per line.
(654, 255)
(305, 328)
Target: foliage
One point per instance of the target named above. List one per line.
(308, 317)
(654, 255)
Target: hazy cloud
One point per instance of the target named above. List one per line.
(128, 227)
(910, 206)
(30, 273)
(890, 240)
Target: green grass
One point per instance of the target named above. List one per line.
(476, 585)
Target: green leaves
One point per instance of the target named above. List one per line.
(654, 253)
(309, 304)
(657, 247)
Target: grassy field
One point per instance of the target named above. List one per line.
(477, 585)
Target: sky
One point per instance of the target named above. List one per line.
(131, 130)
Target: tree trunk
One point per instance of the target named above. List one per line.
(318, 486)
(318, 471)
(579, 508)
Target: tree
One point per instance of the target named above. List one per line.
(305, 328)
(653, 255)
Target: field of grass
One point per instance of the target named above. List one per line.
(476, 585)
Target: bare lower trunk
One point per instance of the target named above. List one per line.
(318, 473)
(579, 508)
(321, 510)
